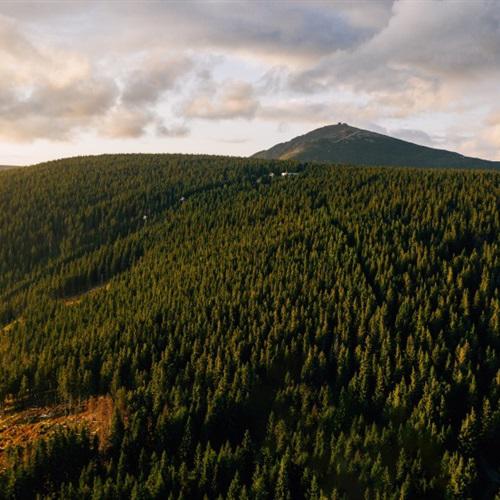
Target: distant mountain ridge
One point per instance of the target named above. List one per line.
(8, 167)
(343, 143)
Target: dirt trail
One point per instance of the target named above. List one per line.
(76, 299)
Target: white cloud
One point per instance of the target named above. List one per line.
(412, 135)
(69, 68)
(175, 130)
(430, 56)
(154, 76)
(122, 122)
(48, 92)
(222, 101)
(486, 142)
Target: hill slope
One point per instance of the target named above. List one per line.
(349, 145)
(332, 334)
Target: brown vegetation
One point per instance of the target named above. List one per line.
(11, 325)
(76, 299)
(23, 427)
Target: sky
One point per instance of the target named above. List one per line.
(234, 77)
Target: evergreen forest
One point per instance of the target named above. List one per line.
(332, 333)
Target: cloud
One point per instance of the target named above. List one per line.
(291, 32)
(324, 110)
(47, 92)
(51, 93)
(429, 56)
(73, 67)
(179, 130)
(142, 89)
(278, 30)
(222, 101)
(146, 84)
(124, 123)
(486, 142)
(413, 135)
(296, 111)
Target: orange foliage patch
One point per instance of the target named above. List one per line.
(19, 428)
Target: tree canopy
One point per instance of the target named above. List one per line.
(333, 334)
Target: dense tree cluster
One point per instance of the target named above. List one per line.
(333, 334)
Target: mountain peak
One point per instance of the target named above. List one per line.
(345, 144)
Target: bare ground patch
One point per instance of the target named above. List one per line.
(21, 427)
(76, 299)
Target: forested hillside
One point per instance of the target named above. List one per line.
(331, 334)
